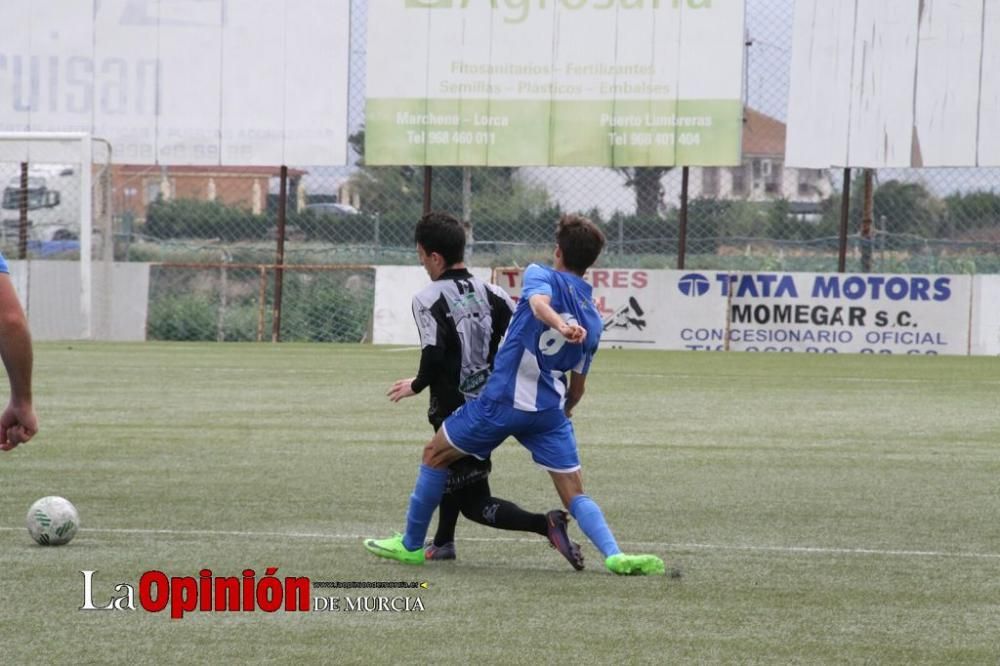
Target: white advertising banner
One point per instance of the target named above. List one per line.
(560, 82)
(776, 312)
(784, 312)
(829, 312)
(395, 287)
(254, 82)
(635, 305)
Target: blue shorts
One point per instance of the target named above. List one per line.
(479, 426)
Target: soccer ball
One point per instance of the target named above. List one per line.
(52, 521)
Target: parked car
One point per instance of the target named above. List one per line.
(335, 223)
(331, 209)
(292, 233)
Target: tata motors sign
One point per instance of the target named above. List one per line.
(554, 82)
(821, 312)
(181, 81)
(786, 312)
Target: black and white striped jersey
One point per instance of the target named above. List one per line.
(461, 321)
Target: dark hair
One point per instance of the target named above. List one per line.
(580, 241)
(441, 233)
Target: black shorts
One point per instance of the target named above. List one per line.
(466, 471)
(439, 408)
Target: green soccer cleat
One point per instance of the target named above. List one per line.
(393, 549)
(635, 565)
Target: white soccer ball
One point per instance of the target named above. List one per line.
(53, 521)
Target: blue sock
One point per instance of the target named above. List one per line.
(424, 500)
(592, 522)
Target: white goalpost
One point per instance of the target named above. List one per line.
(49, 175)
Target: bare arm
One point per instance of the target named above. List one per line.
(542, 309)
(18, 422)
(577, 385)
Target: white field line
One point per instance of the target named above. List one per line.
(851, 380)
(805, 550)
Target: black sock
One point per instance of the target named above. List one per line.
(447, 517)
(479, 506)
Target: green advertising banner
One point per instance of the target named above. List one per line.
(554, 82)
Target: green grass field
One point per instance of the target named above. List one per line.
(834, 509)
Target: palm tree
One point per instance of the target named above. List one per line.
(648, 189)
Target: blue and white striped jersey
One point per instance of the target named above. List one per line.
(530, 369)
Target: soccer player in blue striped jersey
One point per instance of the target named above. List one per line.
(538, 378)
(461, 320)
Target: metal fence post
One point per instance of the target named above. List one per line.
(682, 232)
(866, 224)
(261, 303)
(279, 262)
(428, 188)
(22, 226)
(845, 209)
(467, 208)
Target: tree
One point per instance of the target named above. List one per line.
(908, 208)
(384, 189)
(498, 196)
(971, 211)
(648, 188)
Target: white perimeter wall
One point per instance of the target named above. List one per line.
(50, 294)
(894, 83)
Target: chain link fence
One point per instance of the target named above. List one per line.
(236, 302)
(213, 230)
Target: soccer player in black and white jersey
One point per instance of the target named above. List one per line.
(461, 321)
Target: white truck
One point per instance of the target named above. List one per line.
(53, 204)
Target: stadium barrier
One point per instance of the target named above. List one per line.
(646, 309)
(51, 293)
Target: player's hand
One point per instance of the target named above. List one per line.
(401, 389)
(18, 424)
(573, 333)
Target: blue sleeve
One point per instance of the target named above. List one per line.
(3, 264)
(535, 281)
